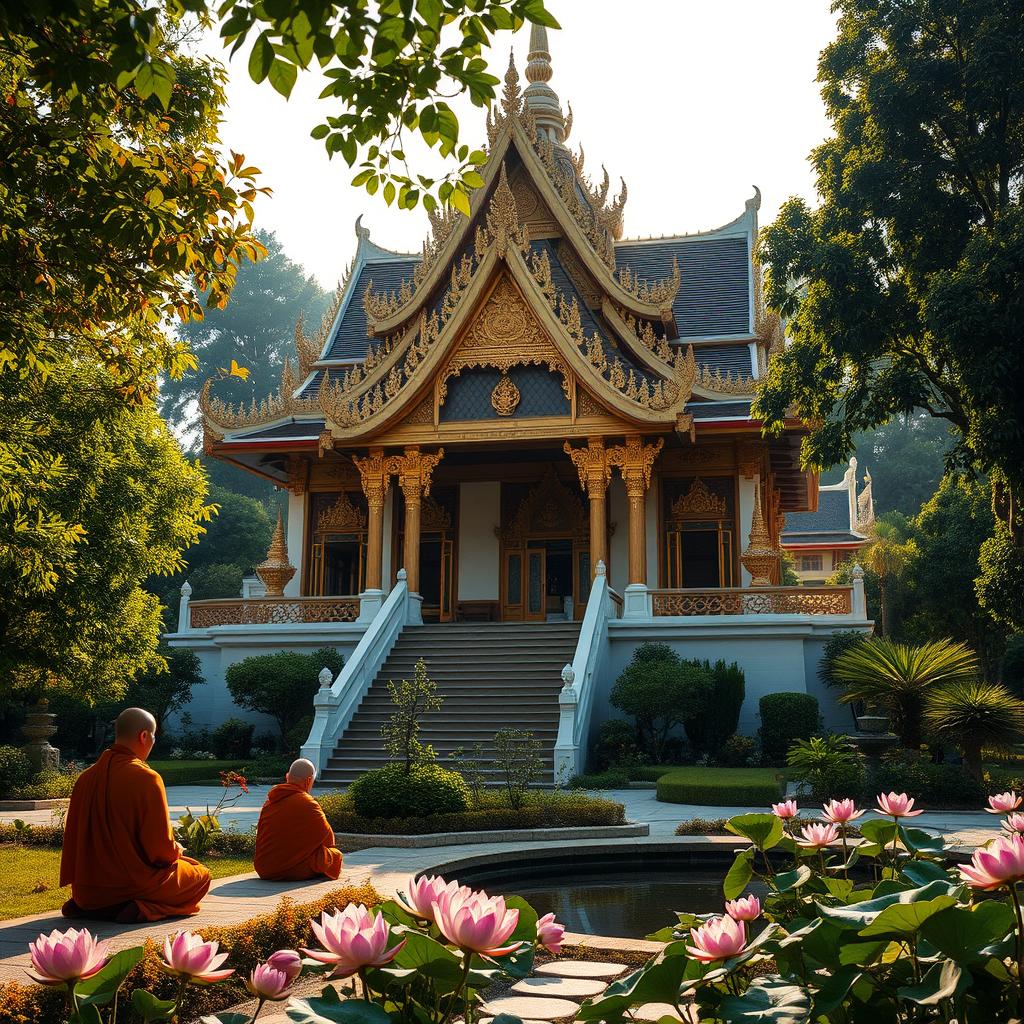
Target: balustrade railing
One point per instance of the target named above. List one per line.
(837, 600)
(266, 611)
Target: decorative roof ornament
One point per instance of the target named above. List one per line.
(699, 502)
(275, 571)
(866, 507)
(760, 558)
(540, 98)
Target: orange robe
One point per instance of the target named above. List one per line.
(294, 842)
(118, 843)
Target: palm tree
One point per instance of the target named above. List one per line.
(897, 677)
(887, 557)
(972, 716)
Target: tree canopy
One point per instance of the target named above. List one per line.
(904, 288)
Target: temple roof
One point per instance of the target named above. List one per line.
(842, 517)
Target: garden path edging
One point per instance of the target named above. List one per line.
(351, 842)
(34, 805)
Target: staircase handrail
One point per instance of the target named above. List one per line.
(337, 700)
(580, 678)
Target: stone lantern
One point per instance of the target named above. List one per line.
(39, 726)
(275, 570)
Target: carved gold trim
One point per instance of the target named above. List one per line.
(634, 460)
(505, 396)
(549, 507)
(341, 517)
(699, 502)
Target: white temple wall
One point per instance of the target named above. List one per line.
(747, 491)
(295, 530)
(618, 547)
(387, 572)
(479, 557)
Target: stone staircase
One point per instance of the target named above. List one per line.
(491, 675)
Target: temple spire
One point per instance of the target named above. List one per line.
(540, 97)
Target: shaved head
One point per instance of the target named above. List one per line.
(132, 721)
(301, 770)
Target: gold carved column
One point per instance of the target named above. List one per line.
(634, 460)
(413, 469)
(595, 474)
(375, 485)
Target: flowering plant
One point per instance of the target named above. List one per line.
(391, 965)
(195, 833)
(884, 928)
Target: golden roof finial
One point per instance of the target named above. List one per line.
(540, 98)
(760, 557)
(275, 570)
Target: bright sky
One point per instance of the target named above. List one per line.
(692, 102)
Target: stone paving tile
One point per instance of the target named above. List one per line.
(581, 969)
(563, 988)
(655, 1011)
(532, 1007)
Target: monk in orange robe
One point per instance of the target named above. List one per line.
(294, 842)
(119, 856)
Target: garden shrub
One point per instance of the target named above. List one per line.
(232, 739)
(786, 718)
(661, 693)
(1013, 665)
(937, 785)
(720, 787)
(393, 792)
(610, 778)
(616, 744)
(297, 735)
(736, 752)
(248, 944)
(829, 766)
(539, 810)
(49, 784)
(15, 770)
(716, 721)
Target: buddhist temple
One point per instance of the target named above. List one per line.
(534, 420)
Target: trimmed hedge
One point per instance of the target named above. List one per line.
(51, 837)
(393, 791)
(785, 718)
(549, 810)
(720, 787)
(249, 943)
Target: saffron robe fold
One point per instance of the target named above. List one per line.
(294, 841)
(118, 843)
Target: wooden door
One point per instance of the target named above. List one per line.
(536, 585)
(512, 585)
(447, 578)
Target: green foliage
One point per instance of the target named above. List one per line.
(164, 693)
(720, 787)
(85, 625)
(717, 719)
(829, 766)
(1000, 582)
(896, 677)
(904, 289)
(616, 744)
(517, 760)
(540, 810)
(1013, 665)
(421, 790)
(232, 739)
(15, 769)
(972, 715)
(930, 784)
(785, 718)
(837, 644)
(190, 773)
(49, 784)
(661, 693)
(281, 685)
(736, 752)
(412, 700)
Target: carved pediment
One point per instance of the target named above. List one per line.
(550, 507)
(698, 503)
(341, 517)
(505, 333)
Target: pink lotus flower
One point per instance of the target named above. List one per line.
(1014, 823)
(998, 864)
(897, 805)
(1002, 803)
(352, 939)
(839, 812)
(287, 961)
(816, 837)
(187, 956)
(476, 922)
(267, 982)
(718, 939)
(746, 908)
(784, 810)
(66, 957)
(424, 892)
(550, 933)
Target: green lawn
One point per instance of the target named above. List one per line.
(191, 773)
(26, 869)
(721, 787)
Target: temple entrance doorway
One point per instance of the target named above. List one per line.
(438, 536)
(338, 551)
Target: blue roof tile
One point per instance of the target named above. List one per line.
(833, 516)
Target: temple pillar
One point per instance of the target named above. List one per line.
(595, 473)
(634, 460)
(375, 484)
(413, 469)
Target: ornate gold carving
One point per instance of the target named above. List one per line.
(749, 458)
(550, 506)
(226, 417)
(578, 275)
(513, 107)
(272, 611)
(767, 601)
(298, 474)
(657, 293)
(422, 414)
(275, 570)
(760, 559)
(373, 477)
(698, 503)
(592, 465)
(724, 383)
(503, 225)
(504, 334)
(634, 460)
(434, 517)
(586, 406)
(414, 469)
(505, 396)
(341, 517)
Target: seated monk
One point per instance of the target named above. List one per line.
(119, 853)
(294, 842)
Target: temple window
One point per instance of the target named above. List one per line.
(337, 554)
(699, 516)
